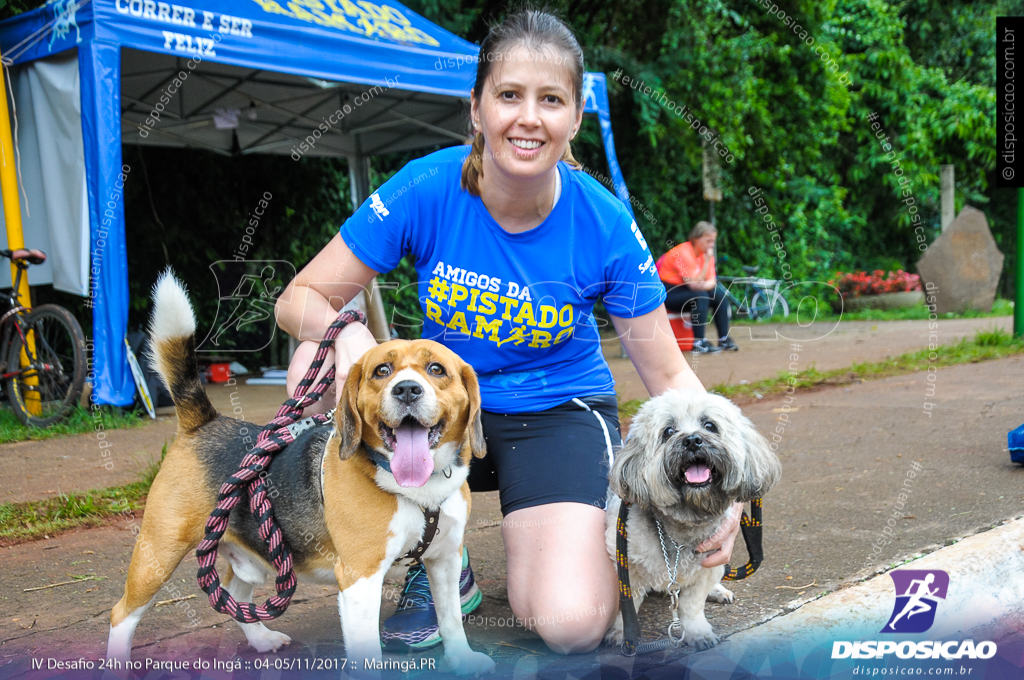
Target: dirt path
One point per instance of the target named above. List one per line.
(846, 455)
(34, 470)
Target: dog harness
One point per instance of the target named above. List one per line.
(279, 433)
(631, 646)
(431, 517)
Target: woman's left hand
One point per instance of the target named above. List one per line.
(723, 540)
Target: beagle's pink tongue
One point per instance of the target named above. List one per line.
(698, 474)
(412, 463)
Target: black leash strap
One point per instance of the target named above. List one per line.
(630, 621)
(751, 528)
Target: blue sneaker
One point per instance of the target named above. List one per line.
(413, 626)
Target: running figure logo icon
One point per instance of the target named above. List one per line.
(247, 291)
(916, 593)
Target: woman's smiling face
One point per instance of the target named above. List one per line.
(527, 111)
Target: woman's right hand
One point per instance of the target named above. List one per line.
(350, 345)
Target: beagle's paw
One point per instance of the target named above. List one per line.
(267, 640)
(470, 663)
(721, 595)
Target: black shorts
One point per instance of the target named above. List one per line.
(551, 456)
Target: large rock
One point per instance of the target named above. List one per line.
(962, 266)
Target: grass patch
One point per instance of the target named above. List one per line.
(35, 519)
(79, 421)
(629, 409)
(992, 343)
(1001, 307)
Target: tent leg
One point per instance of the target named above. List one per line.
(99, 66)
(1018, 305)
(598, 85)
(15, 235)
(359, 181)
(9, 188)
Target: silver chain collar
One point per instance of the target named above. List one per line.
(675, 628)
(673, 571)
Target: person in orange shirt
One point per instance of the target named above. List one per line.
(688, 272)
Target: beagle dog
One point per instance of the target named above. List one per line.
(351, 497)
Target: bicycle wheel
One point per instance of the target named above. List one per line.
(52, 382)
(768, 303)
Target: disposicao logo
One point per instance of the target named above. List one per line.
(926, 649)
(917, 597)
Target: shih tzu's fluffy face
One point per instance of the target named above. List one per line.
(690, 455)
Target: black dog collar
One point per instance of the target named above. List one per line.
(381, 461)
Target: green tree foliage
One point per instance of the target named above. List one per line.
(801, 134)
(797, 126)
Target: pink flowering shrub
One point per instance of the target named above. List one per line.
(856, 284)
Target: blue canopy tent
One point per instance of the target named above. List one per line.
(325, 78)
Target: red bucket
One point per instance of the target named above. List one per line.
(220, 373)
(682, 327)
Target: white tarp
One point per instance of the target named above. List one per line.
(55, 217)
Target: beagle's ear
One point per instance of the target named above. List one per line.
(474, 438)
(349, 422)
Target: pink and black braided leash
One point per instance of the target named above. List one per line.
(272, 439)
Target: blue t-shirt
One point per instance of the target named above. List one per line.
(516, 307)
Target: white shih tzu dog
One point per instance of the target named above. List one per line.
(689, 456)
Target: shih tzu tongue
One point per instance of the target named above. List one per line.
(698, 474)
(412, 463)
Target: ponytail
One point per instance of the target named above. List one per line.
(473, 167)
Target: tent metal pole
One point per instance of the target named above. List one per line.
(9, 187)
(1018, 305)
(359, 183)
(15, 235)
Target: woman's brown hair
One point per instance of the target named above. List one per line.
(534, 30)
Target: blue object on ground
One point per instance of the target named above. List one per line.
(1015, 441)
